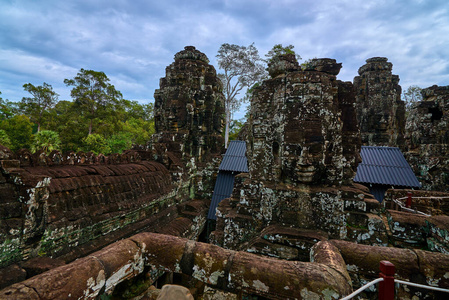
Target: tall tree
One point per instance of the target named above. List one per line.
(411, 95)
(93, 95)
(71, 126)
(44, 98)
(242, 68)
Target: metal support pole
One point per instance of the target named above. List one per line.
(386, 287)
(409, 200)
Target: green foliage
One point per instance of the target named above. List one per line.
(95, 98)
(19, 129)
(69, 124)
(140, 130)
(235, 127)
(132, 109)
(7, 109)
(307, 64)
(4, 139)
(119, 142)
(96, 143)
(36, 107)
(97, 108)
(278, 49)
(46, 140)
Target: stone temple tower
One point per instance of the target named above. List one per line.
(188, 111)
(189, 108)
(380, 110)
(301, 132)
(303, 146)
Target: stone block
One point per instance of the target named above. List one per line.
(11, 274)
(38, 265)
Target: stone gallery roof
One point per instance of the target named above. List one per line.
(386, 166)
(234, 159)
(234, 162)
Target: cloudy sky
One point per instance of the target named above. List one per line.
(133, 41)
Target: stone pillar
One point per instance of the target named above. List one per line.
(380, 110)
(427, 138)
(189, 118)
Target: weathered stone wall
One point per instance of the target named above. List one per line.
(296, 126)
(49, 210)
(303, 146)
(68, 205)
(336, 268)
(380, 110)
(428, 138)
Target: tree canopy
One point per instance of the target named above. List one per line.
(36, 107)
(19, 130)
(95, 98)
(242, 68)
(7, 108)
(117, 123)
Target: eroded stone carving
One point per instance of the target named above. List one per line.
(428, 138)
(189, 108)
(380, 110)
(303, 146)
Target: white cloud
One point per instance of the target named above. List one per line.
(133, 42)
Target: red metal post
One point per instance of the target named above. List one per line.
(409, 200)
(386, 287)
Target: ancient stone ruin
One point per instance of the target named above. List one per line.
(380, 110)
(77, 225)
(67, 205)
(189, 108)
(301, 166)
(428, 138)
(189, 116)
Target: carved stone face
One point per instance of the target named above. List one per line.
(189, 105)
(297, 116)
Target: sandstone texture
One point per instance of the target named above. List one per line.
(380, 110)
(189, 108)
(428, 138)
(189, 119)
(303, 147)
(220, 268)
(79, 225)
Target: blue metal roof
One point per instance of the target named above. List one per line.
(386, 166)
(234, 162)
(223, 189)
(234, 159)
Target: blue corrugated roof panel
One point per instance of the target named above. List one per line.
(385, 165)
(234, 159)
(223, 189)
